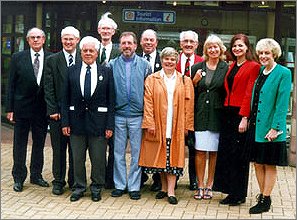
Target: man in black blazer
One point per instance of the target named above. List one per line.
(108, 51)
(149, 43)
(88, 117)
(26, 108)
(55, 74)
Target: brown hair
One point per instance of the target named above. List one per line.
(249, 53)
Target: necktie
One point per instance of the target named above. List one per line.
(147, 56)
(36, 64)
(70, 60)
(187, 67)
(87, 88)
(103, 55)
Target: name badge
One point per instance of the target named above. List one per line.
(102, 109)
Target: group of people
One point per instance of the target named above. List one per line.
(98, 97)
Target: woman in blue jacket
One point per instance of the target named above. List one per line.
(267, 133)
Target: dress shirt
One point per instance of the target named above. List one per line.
(108, 48)
(152, 59)
(184, 60)
(93, 77)
(170, 86)
(66, 54)
(40, 58)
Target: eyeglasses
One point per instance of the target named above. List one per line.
(35, 37)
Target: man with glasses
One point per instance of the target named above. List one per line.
(26, 108)
(55, 74)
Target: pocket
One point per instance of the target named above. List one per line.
(149, 137)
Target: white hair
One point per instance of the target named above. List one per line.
(35, 29)
(105, 20)
(70, 30)
(89, 39)
(193, 33)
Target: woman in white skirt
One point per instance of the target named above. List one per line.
(209, 98)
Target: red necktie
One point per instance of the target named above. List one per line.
(187, 67)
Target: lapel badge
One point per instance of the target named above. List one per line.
(100, 77)
(157, 65)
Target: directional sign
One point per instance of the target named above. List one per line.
(149, 16)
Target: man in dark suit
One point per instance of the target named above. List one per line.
(149, 43)
(26, 108)
(108, 51)
(88, 117)
(55, 74)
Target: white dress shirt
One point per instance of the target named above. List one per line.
(183, 62)
(108, 48)
(66, 54)
(93, 77)
(41, 61)
(170, 86)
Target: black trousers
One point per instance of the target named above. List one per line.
(110, 162)
(59, 146)
(190, 142)
(38, 126)
(97, 153)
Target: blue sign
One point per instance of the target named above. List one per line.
(149, 16)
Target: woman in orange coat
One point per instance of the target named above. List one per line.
(168, 115)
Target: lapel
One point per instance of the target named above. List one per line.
(99, 76)
(76, 77)
(157, 66)
(62, 63)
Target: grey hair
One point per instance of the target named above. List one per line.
(149, 31)
(105, 20)
(70, 30)
(193, 33)
(169, 51)
(270, 44)
(89, 39)
(34, 29)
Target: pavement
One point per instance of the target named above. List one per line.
(36, 202)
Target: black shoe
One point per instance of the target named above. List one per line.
(172, 200)
(76, 196)
(135, 195)
(155, 187)
(96, 196)
(237, 201)
(263, 205)
(18, 187)
(193, 186)
(40, 182)
(57, 190)
(161, 195)
(227, 200)
(117, 193)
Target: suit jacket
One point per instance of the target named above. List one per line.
(209, 99)
(241, 93)
(273, 104)
(196, 60)
(55, 76)
(115, 52)
(25, 97)
(88, 117)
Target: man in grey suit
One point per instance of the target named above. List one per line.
(108, 51)
(26, 108)
(55, 74)
(88, 117)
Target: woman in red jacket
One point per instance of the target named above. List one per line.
(232, 168)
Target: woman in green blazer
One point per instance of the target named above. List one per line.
(267, 131)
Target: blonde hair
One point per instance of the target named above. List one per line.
(214, 39)
(270, 44)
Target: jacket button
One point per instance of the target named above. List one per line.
(206, 101)
(87, 108)
(207, 90)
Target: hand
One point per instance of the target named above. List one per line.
(9, 116)
(243, 125)
(271, 135)
(55, 116)
(151, 131)
(198, 76)
(108, 134)
(66, 131)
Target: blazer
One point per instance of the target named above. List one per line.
(25, 97)
(273, 104)
(209, 99)
(196, 60)
(241, 92)
(55, 76)
(88, 117)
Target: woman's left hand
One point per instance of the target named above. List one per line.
(271, 135)
(243, 125)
